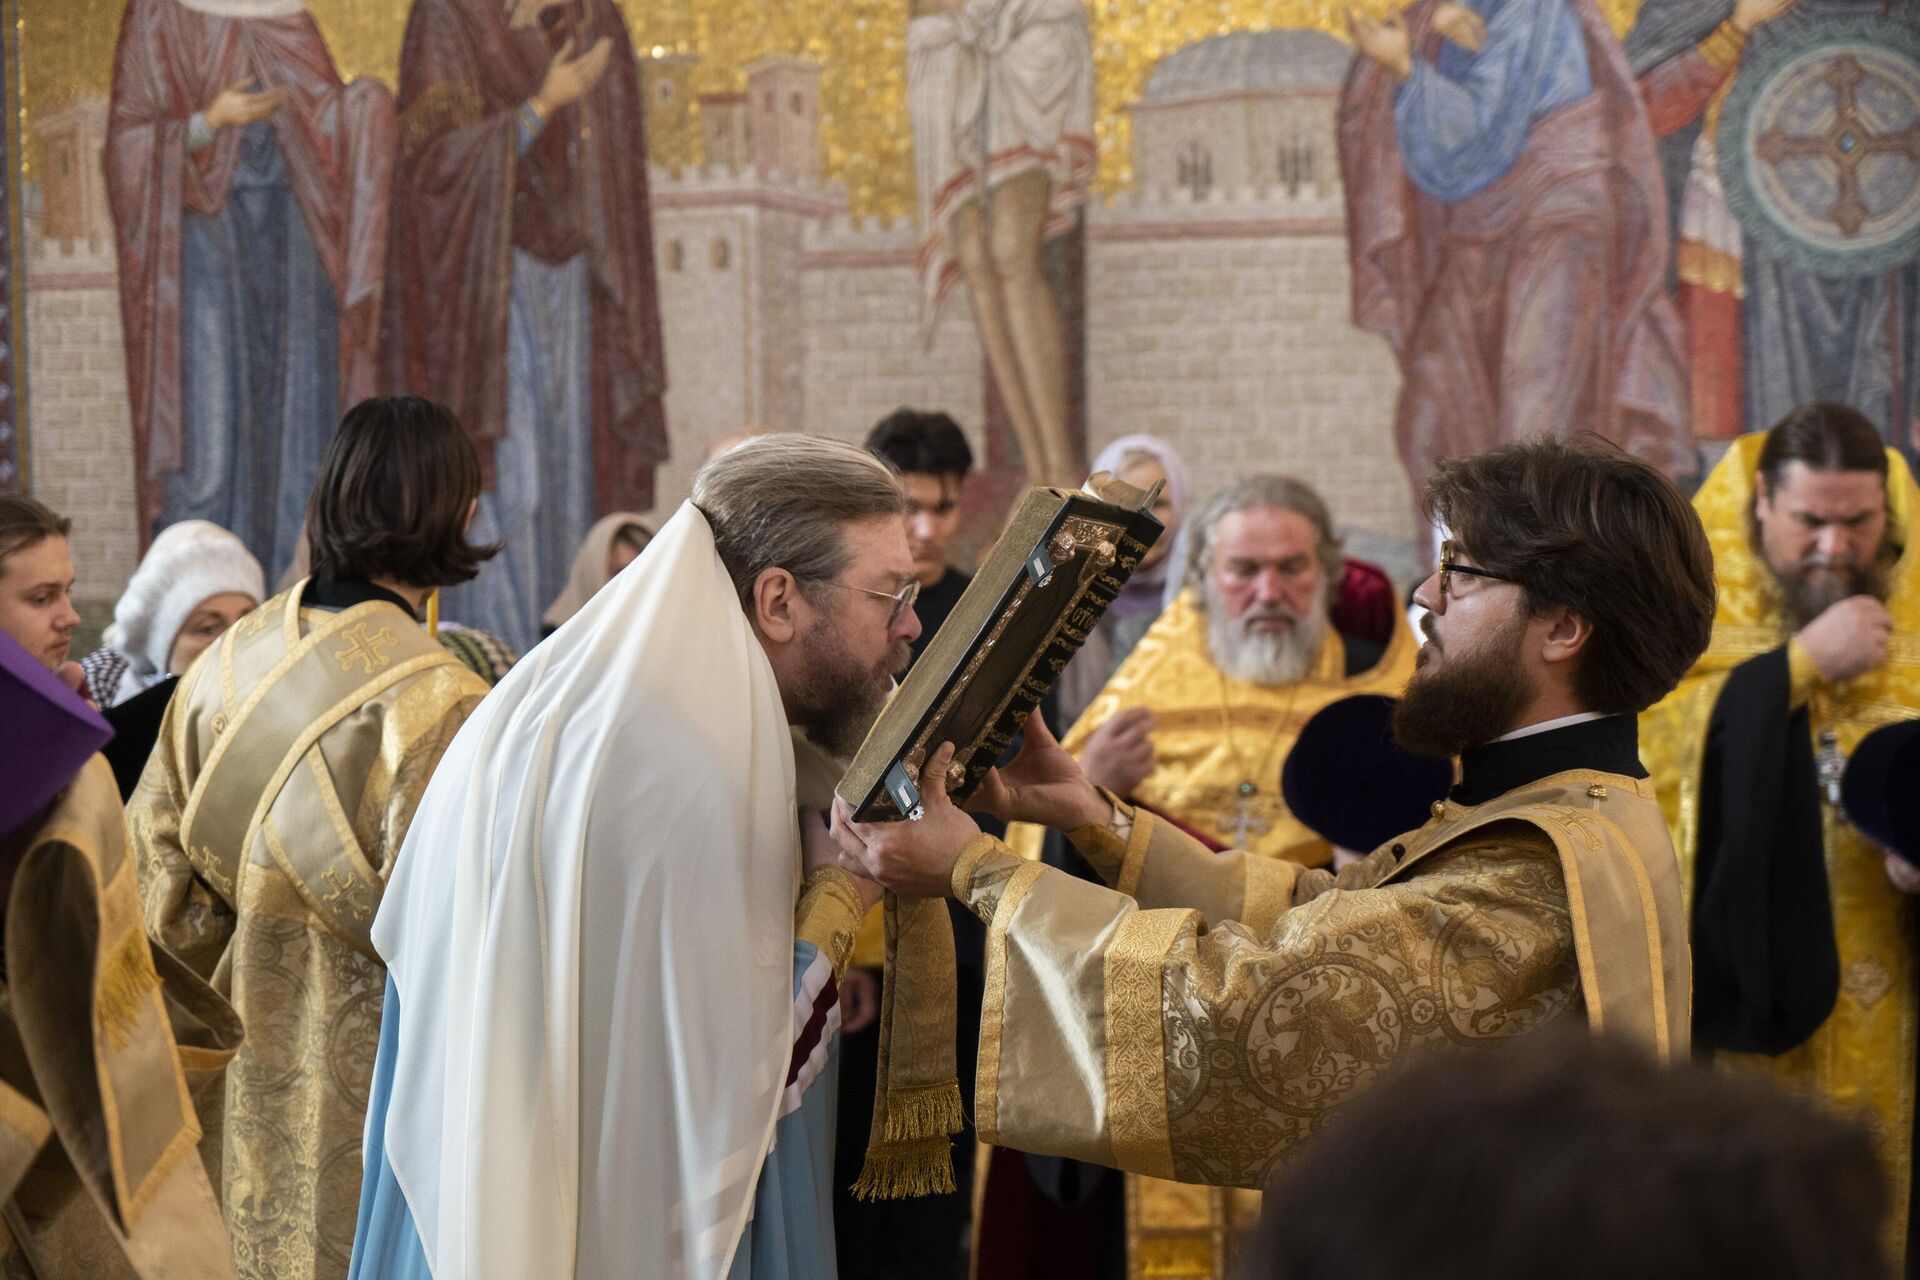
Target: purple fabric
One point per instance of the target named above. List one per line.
(50, 733)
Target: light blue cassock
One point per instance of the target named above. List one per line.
(789, 1238)
(1462, 120)
(541, 505)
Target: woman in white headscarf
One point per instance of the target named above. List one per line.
(1142, 461)
(195, 582)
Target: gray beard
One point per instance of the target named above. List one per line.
(1263, 657)
(836, 701)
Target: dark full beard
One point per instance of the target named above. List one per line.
(1470, 698)
(836, 700)
(1802, 599)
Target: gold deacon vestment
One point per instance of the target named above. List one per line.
(289, 765)
(1219, 742)
(1204, 1019)
(103, 1042)
(1863, 1056)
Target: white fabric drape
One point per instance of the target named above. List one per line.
(590, 929)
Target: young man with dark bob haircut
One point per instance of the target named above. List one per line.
(270, 814)
(1207, 1012)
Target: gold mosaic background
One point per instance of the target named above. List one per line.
(702, 45)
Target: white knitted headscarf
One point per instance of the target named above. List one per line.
(188, 563)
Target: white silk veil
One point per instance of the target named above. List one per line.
(590, 929)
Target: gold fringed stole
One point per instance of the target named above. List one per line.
(916, 1099)
(328, 674)
(88, 1004)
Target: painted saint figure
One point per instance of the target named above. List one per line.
(525, 294)
(1769, 332)
(1508, 227)
(1686, 53)
(249, 189)
(1001, 93)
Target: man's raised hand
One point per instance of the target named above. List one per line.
(1849, 639)
(1043, 784)
(911, 858)
(1119, 754)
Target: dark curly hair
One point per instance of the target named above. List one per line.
(1586, 526)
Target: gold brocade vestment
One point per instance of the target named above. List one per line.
(288, 768)
(1205, 1018)
(99, 1172)
(1863, 1057)
(1211, 733)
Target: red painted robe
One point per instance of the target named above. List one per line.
(466, 198)
(1536, 305)
(337, 141)
(1678, 92)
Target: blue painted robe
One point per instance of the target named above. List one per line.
(1464, 118)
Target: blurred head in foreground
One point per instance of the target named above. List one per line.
(1579, 1158)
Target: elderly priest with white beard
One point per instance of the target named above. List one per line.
(1206, 1012)
(1198, 720)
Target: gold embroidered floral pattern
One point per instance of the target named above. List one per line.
(1136, 1047)
(1264, 1038)
(988, 882)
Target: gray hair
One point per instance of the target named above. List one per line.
(1262, 493)
(784, 501)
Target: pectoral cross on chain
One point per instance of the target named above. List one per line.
(1243, 821)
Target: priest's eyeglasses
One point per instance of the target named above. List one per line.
(1448, 568)
(902, 599)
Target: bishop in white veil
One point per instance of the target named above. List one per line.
(604, 1007)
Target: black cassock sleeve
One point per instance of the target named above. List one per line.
(1766, 968)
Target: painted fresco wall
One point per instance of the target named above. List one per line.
(1214, 222)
